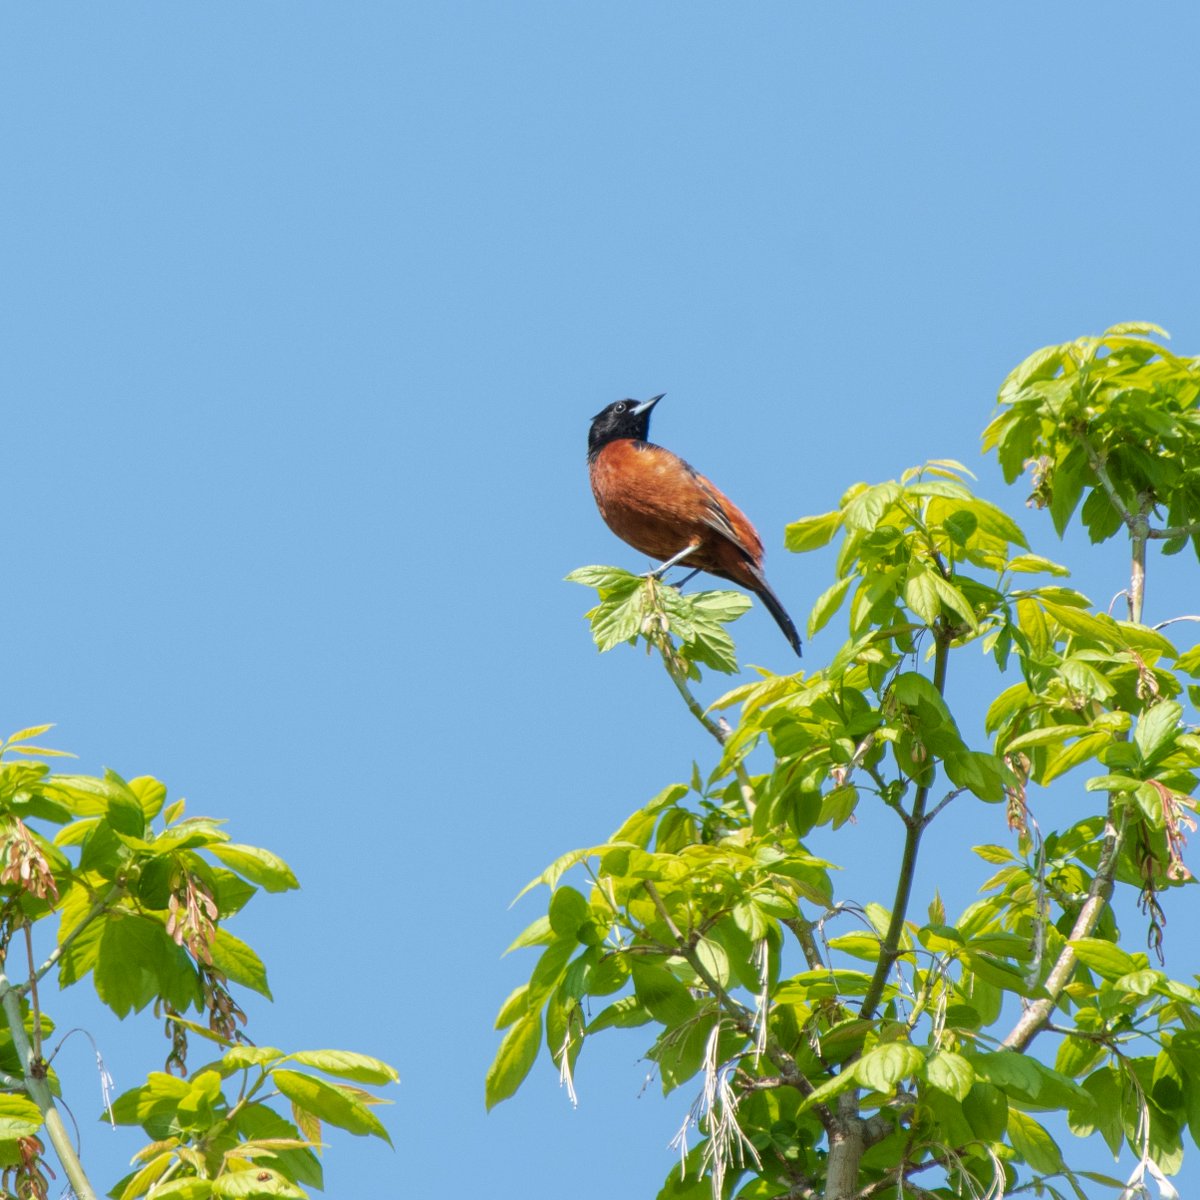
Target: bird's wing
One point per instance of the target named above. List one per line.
(723, 516)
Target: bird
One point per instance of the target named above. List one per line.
(663, 507)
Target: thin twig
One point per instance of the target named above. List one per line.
(66, 943)
(1186, 617)
(717, 729)
(1101, 472)
(937, 808)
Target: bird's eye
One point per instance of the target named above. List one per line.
(620, 407)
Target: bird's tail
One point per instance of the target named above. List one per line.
(768, 597)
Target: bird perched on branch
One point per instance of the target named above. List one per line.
(665, 508)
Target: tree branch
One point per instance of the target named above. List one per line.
(937, 808)
(789, 1072)
(718, 730)
(38, 1090)
(1038, 1014)
(1174, 620)
(1101, 472)
(1173, 531)
(808, 944)
(66, 943)
(890, 950)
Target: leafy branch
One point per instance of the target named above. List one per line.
(891, 1052)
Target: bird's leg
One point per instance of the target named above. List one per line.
(659, 572)
(690, 575)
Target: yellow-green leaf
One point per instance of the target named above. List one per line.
(950, 1073)
(514, 1059)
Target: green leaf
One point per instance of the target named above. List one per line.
(80, 956)
(140, 1181)
(626, 1013)
(821, 984)
(331, 1102)
(1044, 737)
(1156, 729)
(514, 1059)
(1009, 1071)
(1136, 329)
(1061, 759)
(234, 958)
(811, 533)
(995, 854)
(19, 1117)
(151, 793)
(110, 796)
(134, 960)
(637, 828)
(1000, 974)
(561, 865)
(568, 911)
(517, 1005)
(257, 1122)
(254, 1182)
(921, 595)
(1067, 483)
(832, 1087)
(25, 735)
(951, 1073)
(668, 1000)
(986, 1110)
(360, 1068)
(712, 957)
(257, 865)
(238, 1058)
(948, 1115)
(827, 604)
(953, 599)
(984, 774)
(618, 616)
(1034, 563)
(886, 1065)
(859, 944)
(680, 1052)
(1033, 1143)
(536, 933)
(1109, 961)
(838, 805)
(868, 507)
(1112, 783)
(184, 1189)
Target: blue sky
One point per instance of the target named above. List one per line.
(305, 310)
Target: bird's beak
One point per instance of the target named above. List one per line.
(647, 405)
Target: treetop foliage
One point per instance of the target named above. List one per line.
(140, 893)
(881, 1046)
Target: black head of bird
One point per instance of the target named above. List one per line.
(622, 419)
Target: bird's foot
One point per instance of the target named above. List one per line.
(660, 571)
